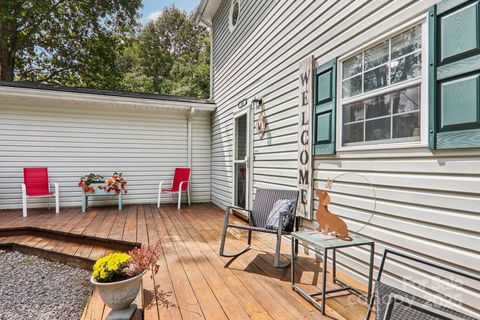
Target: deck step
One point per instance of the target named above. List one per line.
(116, 244)
(64, 251)
(71, 253)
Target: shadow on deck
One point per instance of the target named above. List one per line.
(193, 282)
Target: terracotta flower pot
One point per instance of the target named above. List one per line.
(121, 294)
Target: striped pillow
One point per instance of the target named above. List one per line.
(281, 207)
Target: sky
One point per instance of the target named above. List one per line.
(152, 8)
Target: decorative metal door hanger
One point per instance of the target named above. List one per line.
(261, 123)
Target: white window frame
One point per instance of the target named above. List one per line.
(423, 142)
(231, 26)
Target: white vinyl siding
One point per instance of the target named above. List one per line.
(201, 155)
(76, 139)
(428, 203)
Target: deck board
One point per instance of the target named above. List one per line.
(193, 281)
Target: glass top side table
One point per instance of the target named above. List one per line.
(321, 244)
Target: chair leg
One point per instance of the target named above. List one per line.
(24, 203)
(222, 246)
(188, 195)
(249, 237)
(179, 198)
(278, 248)
(159, 196)
(224, 236)
(222, 241)
(57, 199)
(370, 307)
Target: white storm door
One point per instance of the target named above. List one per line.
(241, 159)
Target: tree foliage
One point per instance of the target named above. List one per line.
(170, 56)
(68, 42)
(98, 44)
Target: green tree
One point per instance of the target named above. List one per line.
(190, 73)
(171, 56)
(68, 42)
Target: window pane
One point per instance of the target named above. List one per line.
(352, 66)
(352, 87)
(376, 78)
(408, 67)
(406, 100)
(377, 129)
(353, 132)
(353, 112)
(378, 106)
(407, 42)
(406, 125)
(376, 56)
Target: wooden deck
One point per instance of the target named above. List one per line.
(193, 282)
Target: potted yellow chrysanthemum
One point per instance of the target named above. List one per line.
(118, 277)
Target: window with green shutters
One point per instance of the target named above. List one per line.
(380, 101)
(454, 75)
(324, 104)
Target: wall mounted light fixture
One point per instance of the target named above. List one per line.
(257, 102)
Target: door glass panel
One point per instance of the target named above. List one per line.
(241, 137)
(241, 182)
(240, 165)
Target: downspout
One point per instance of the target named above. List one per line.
(190, 117)
(211, 95)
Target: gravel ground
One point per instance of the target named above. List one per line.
(34, 288)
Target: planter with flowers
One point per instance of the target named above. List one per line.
(95, 184)
(118, 278)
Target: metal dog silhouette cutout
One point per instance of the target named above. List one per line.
(327, 221)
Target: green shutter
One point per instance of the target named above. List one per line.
(454, 74)
(324, 104)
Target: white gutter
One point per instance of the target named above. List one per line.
(18, 94)
(200, 10)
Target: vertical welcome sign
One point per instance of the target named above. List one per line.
(304, 137)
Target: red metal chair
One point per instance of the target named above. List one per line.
(35, 184)
(180, 184)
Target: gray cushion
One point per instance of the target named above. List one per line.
(264, 201)
(281, 207)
